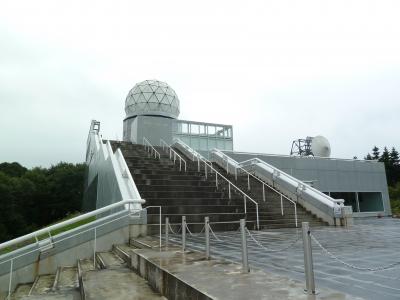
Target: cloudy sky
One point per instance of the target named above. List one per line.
(275, 70)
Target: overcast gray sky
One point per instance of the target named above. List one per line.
(275, 70)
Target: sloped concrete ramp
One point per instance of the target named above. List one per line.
(170, 270)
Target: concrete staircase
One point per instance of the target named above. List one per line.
(191, 194)
(270, 210)
(180, 193)
(111, 278)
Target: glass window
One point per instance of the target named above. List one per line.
(211, 130)
(370, 201)
(348, 197)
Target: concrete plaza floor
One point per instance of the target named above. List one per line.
(369, 243)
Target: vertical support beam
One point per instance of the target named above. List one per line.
(263, 187)
(245, 204)
(166, 231)
(160, 228)
(183, 233)
(358, 202)
(229, 189)
(281, 204)
(216, 179)
(295, 214)
(207, 235)
(308, 260)
(10, 280)
(245, 261)
(94, 247)
(248, 181)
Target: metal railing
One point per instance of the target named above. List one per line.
(48, 243)
(149, 148)
(288, 178)
(230, 161)
(208, 166)
(172, 154)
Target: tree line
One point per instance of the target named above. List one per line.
(32, 199)
(391, 160)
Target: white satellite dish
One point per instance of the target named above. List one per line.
(320, 146)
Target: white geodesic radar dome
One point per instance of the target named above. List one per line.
(152, 97)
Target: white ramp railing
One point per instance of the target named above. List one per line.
(232, 167)
(317, 202)
(173, 155)
(189, 152)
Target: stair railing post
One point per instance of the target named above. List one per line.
(183, 233)
(263, 186)
(245, 261)
(166, 231)
(94, 247)
(10, 280)
(281, 204)
(207, 235)
(308, 260)
(229, 189)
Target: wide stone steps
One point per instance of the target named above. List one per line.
(62, 285)
(193, 201)
(196, 209)
(110, 279)
(197, 218)
(173, 182)
(176, 188)
(180, 194)
(191, 193)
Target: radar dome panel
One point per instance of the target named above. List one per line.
(152, 97)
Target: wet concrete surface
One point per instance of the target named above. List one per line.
(117, 284)
(222, 279)
(68, 278)
(369, 243)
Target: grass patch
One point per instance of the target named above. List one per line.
(52, 232)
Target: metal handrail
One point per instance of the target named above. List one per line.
(164, 144)
(237, 166)
(149, 148)
(209, 164)
(48, 229)
(123, 203)
(278, 172)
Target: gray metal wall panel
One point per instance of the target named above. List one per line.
(332, 175)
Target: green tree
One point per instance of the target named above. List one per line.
(385, 157)
(368, 157)
(375, 153)
(30, 199)
(12, 169)
(394, 156)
